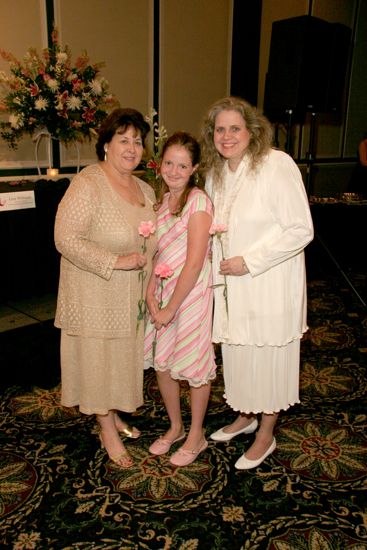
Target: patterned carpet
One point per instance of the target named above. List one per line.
(58, 490)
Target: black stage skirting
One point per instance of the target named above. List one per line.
(29, 260)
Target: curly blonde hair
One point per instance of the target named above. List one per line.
(260, 129)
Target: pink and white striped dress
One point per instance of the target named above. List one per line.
(184, 347)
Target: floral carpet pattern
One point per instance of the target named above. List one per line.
(59, 491)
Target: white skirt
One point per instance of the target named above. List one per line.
(261, 379)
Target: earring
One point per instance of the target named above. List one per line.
(105, 154)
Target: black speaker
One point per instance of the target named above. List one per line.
(307, 67)
(340, 44)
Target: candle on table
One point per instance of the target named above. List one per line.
(52, 172)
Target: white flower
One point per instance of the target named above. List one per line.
(4, 77)
(161, 133)
(149, 118)
(61, 57)
(41, 104)
(15, 121)
(71, 77)
(53, 84)
(17, 101)
(74, 103)
(96, 86)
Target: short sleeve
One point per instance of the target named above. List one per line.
(198, 201)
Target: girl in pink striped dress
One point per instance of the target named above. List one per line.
(180, 298)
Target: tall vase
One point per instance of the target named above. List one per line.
(52, 148)
(53, 152)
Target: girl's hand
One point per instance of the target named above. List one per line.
(163, 317)
(153, 305)
(233, 266)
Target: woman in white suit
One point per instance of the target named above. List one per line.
(259, 195)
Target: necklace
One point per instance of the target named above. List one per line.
(128, 191)
(173, 203)
(138, 191)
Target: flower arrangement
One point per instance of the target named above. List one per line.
(152, 166)
(217, 229)
(145, 229)
(49, 92)
(163, 271)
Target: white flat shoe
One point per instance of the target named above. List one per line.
(220, 435)
(244, 463)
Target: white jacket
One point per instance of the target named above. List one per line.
(269, 224)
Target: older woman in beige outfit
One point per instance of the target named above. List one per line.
(102, 267)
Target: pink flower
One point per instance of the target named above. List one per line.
(146, 229)
(218, 228)
(163, 271)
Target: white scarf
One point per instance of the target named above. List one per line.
(224, 194)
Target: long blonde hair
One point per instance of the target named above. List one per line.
(260, 129)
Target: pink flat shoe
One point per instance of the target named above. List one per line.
(162, 446)
(184, 458)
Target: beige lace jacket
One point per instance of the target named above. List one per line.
(93, 226)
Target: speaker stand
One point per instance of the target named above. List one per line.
(289, 143)
(310, 156)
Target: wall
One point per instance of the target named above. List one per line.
(194, 67)
(356, 118)
(118, 33)
(194, 61)
(22, 24)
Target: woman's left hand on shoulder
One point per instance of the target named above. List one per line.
(233, 266)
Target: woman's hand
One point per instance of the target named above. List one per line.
(131, 261)
(233, 266)
(163, 317)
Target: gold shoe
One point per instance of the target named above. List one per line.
(126, 459)
(129, 431)
(124, 456)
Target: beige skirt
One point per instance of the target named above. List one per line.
(99, 374)
(261, 379)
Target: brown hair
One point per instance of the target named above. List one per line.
(186, 140)
(120, 118)
(260, 129)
